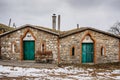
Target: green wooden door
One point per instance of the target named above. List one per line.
(29, 50)
(87, 52)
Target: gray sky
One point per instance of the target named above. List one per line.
(100, 14)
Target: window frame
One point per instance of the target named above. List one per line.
(103, 51)
(71, 51)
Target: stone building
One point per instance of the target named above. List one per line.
(80, 45)
(86, 45)
(28, 39)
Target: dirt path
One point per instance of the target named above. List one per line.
(29, 64)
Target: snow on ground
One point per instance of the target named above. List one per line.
(66, 73)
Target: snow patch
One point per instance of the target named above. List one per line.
(67, 73)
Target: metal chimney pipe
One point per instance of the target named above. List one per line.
(14, 25)
(77, 25)
(54, 21)
(58, 22)
(9, 22)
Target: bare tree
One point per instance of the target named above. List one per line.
(115, 29)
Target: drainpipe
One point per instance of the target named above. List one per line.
(119, 50)
(0, 48)
(58, 48)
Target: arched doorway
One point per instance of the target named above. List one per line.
(87, 50)
(28, 46)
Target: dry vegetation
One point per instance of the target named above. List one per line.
(5, 27)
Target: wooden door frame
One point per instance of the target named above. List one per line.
(21, 42)
(94, 44)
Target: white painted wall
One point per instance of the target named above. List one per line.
(28, 37)
(87, 40)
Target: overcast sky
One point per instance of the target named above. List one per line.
(100, 14)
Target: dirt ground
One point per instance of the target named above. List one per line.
(27, 64)
(41, 71)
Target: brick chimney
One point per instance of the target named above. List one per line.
(54, 21)
(58, 22)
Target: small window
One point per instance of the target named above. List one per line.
(13, 47)
(73, 51)
(102, 51)
(43, 47)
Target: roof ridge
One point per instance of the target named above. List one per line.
(60, 33)
(32, 26)
(67, 33)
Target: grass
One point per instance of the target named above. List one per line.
(5, 27)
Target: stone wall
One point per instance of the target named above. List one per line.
(110, 44)
(13, 39)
